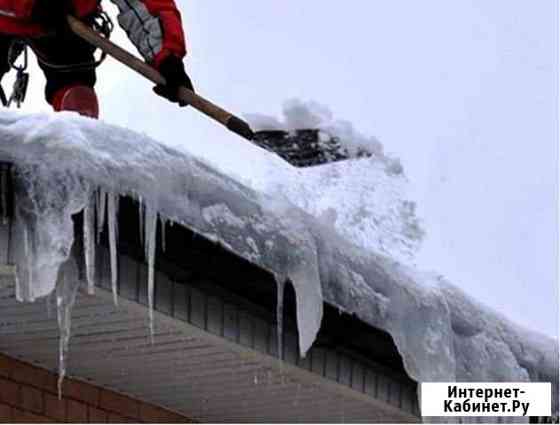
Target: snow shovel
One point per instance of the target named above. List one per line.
(233, 123)
(302, 149)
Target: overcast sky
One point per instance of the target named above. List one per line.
(464, 92)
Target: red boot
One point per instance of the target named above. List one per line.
(77, 98)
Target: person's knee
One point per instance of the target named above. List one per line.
(78, 98)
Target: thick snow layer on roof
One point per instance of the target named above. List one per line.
(441, 333)
(63, 158)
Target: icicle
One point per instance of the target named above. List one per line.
(18, 247)
(280, 285)
(3, 194)
(66, 290)
(62, 344)
(112, 219)
(89, 245)
(24, 292)
(25, 253)
(101, 201)
(150, 250)
(19, 289)
(43, 231)
(163, 222)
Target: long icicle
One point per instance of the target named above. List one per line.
(19, 284)
(150, 250)
(66, 291)
(113, 211)
(89, 245)
(23, 230)
(24, 292)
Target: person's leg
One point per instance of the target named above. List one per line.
(68, 89)
(78, 98)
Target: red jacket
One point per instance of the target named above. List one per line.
(153, 26)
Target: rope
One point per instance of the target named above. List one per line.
(21, 83)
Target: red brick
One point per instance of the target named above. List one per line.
(119, 403)
(55, 408)
(9, 392)
(27, 374)
(5, 414)
(118, 419)
(77, 412)
(81, 391)
(24, 373)
(31, 399)
(21, 416)
(97, 416)
(149, 413)
(6, 366)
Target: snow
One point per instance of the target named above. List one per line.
(65, 161)
(367, 200)
(300, 115)
(359, 199)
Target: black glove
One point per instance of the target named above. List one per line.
(173, 70)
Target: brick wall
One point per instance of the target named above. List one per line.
(28, 394)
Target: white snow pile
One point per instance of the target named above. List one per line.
(64, 162)
(301, 115)
(365, 199)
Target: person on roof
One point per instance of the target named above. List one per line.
(153, 26)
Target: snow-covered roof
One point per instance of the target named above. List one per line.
(441, 333)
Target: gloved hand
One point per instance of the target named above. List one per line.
(173, 70)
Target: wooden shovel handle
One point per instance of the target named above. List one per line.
(233, 123)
